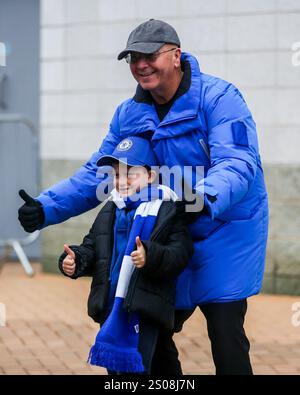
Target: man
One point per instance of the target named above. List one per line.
(192, 119)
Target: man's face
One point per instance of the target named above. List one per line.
(129, 180)
(155, 75)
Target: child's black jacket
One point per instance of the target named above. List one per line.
(152, 288)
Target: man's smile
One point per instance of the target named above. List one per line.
(145, 74)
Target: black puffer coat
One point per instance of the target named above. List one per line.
(151, 291)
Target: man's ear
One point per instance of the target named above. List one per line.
(177, 55)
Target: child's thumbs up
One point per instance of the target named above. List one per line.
(139, 244)
(69, 263)
(139, 256)
(69, 251)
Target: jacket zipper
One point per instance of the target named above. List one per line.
(130, 291)
(205, 148)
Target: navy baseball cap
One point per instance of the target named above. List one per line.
(133, 151)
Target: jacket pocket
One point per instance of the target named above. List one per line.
(157, 307)
(96, 302)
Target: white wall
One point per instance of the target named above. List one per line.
(246, 42)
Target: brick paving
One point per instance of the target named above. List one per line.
(48, 331)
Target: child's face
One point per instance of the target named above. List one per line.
(131, 179)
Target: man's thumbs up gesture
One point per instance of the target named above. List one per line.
(69, 261)
(139, 256)
(31, 214)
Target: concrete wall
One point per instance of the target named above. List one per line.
(246, 42)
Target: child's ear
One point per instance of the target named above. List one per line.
(152, 175)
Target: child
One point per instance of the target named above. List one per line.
(134, 251)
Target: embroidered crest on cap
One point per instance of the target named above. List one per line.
(124, 145)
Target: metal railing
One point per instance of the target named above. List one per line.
(15, 243)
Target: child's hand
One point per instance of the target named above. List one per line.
(69, 261)
(139, 256)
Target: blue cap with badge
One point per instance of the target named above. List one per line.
(133, 151)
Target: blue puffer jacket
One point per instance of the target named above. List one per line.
(211, 126)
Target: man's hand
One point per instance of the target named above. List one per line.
(31, 214)
(69, 264)
(139, 256)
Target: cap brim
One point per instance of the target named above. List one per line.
(108, 160)
(140, 47)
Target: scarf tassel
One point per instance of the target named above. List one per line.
(116, 345)
(124, 360)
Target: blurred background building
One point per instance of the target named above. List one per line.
(62, 74)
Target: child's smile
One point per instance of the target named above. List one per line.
(129, 180)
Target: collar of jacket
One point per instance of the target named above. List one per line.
(138, 115)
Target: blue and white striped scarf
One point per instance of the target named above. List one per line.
(116, 344)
